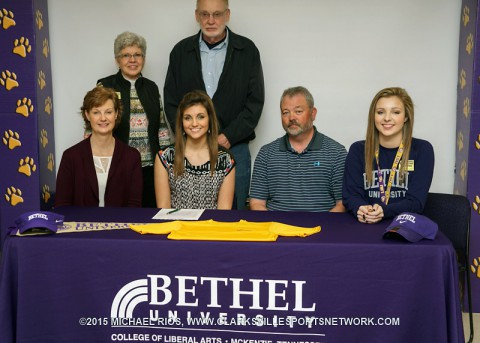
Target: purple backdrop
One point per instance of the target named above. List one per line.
(467, 176)
(27, 146)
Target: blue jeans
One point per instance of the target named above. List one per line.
(243, 161)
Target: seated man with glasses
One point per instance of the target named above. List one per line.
(227, 66)
(144, 125)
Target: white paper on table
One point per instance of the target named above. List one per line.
(178, 214)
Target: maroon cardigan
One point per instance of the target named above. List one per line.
(77, 183)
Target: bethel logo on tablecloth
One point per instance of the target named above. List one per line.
(160, 290)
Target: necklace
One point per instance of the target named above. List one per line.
(385, 193)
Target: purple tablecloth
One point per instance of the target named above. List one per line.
(344, 284)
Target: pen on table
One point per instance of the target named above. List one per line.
(173, 211)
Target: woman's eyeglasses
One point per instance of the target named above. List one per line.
(136, 56)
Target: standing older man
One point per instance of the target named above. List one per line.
(227, 66)
(303, 170)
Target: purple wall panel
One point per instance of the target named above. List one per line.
(25, 84)
(464, 95)
(45, 117)
(473, 195)
(467, 176)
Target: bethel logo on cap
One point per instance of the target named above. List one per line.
(37, 222)
(412, 227)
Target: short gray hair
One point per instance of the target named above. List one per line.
(292, 91)
(127, 39)
(225, 1)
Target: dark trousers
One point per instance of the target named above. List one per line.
(148, 198)
(241, 154)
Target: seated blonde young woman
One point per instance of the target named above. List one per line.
(390, 172)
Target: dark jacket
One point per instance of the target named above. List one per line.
(240, 94)
(149, 96)
(77, 183)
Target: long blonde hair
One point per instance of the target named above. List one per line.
(371, 140)
(196, 97)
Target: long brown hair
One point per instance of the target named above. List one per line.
(371, 140)
(190, 99)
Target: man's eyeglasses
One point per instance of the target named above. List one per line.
(136, 56)
(216, 15)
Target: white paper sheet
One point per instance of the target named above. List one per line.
(178, 214)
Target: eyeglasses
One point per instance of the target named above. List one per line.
(136, 56)
(216, 15)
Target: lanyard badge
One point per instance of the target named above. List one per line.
(385, 193)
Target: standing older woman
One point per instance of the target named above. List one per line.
(100, 170)
(144, 125)
(195, 172)
(390, 172)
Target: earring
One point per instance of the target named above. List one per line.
(208, 131)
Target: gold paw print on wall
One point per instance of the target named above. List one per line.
(50, 162)
(475, 267)
(11, 139)
(43, 138)
(477, 142)
(463, 170)
(45, 49)
(41, 79)
(46, 193)
(8, 80)
(22, 47)
(466, 15)
(6, 19)
(469, 46)
(476, 204)
(466, 107)
(27, 166)
(48, 105)
(460, 140)
(24, 107)
(462, 79)
(13, 196)
(39, 19)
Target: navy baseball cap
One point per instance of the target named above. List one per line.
(412, 227)
(38, 222)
